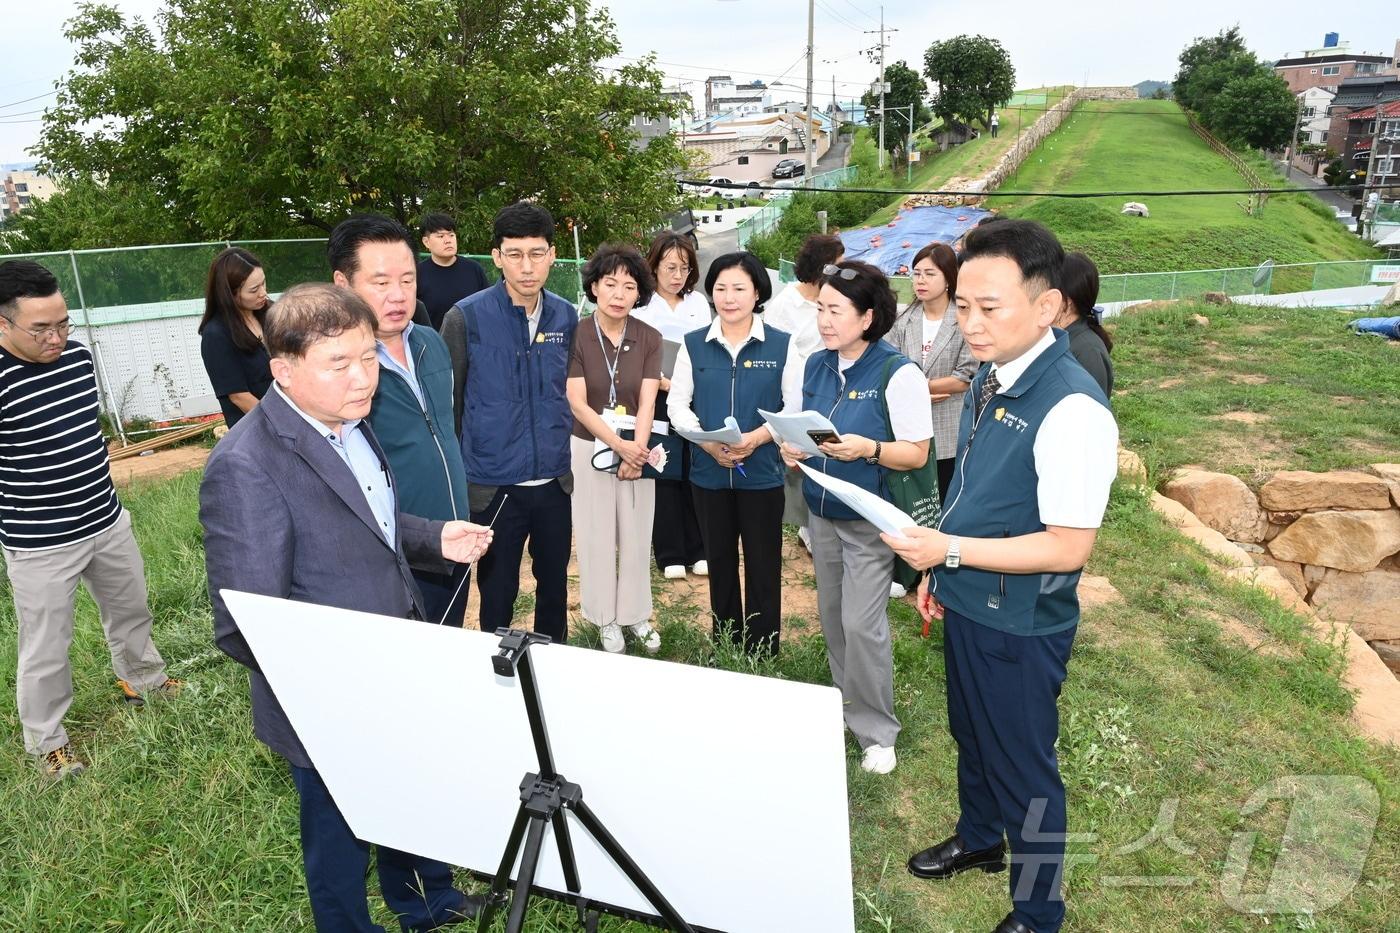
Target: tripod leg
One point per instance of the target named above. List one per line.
(528, 863)
(496, 896)
(566, 852)
(630, 868)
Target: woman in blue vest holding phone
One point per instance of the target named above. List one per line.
(878, 401)
(733, 368)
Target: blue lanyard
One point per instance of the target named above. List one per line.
(616, 360)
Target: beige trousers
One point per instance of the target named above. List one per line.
(45, 584)
(612, 535)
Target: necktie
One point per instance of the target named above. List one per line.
(989, 388)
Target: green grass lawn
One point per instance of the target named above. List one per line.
(184, 822)
(1146, 144)
(972, 158)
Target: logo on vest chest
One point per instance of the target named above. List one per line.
(864, 395)
(558, 338)
(1007, 419)
(760, 364)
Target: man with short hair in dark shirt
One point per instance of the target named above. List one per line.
(445, 278)
(60, 519)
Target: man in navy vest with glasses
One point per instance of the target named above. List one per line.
(1037, 453)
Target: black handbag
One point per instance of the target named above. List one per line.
(670, 443)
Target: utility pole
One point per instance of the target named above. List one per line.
(1293, 140)
(882, 30)
(811, 143)
(1371, 165)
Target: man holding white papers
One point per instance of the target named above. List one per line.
(878, 403)
(299, 502)
(730, 371)
(1037, 452)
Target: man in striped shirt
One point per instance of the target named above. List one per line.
(60, 520)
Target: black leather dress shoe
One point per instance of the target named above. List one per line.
(952, 856)
(469, 911)
(1012, 925)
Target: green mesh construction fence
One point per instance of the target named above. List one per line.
(120, 286)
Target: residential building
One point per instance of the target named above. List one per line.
(1330, 65)
(21, 188)
(747, 149)
(723, 95)
(1315, 125)
(1362, 132)
(1357, 94)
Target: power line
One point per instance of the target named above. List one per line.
(15, 103)
(1041, 194)
(717, 69)
(868, 16)
(838, 17)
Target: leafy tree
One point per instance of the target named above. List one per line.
(906, 87)
(1257, 110)
(279, 117)
(1203, 52)
(973, 75)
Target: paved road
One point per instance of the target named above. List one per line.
(1333, 199)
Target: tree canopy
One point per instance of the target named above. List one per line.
(280, 117)
(973, 75)
(906, 87)
(1236, 96)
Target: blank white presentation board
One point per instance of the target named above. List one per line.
(728, 790)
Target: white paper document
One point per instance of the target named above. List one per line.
(670, 349)
(869, 506)
(729, 434)
(793, 429)
(668, 756)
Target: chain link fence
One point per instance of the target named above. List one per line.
(138, 309)
(767, 217)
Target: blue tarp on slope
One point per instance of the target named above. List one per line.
(916, 227)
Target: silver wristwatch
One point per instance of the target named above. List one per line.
(953, 558)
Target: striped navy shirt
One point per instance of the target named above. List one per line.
(55, 481)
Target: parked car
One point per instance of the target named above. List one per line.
(718, 187)
(780, 189)
(789, 168)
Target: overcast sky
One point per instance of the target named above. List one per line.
(1050, 43)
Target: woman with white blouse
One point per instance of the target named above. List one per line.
(878, 401)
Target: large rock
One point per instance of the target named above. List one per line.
(1271, 581)
(1131, 470)
(1368, 602)
(1220, 501)
(1213, 541)
(1176, 514)
(1296, 490)
(1390, 473)
(1352, 541)
(1292, 572)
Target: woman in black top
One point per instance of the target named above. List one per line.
(1088, 341)
(235, 305)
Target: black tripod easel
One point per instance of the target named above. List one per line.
(544, 796)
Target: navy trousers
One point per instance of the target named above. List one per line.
(445, 595)
(418, 889)
(543, 516)
(1002, 693)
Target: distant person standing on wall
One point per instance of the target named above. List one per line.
(1088, 341)
(444, 278)
(230, 333)
(794, 310)
(675, 310)
(60, 519)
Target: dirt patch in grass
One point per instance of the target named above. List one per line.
(1171, 383)
(1256, 640)
(1249, 379)
(160, 464)
(1243, 417)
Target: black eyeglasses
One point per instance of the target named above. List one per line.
(849, 275)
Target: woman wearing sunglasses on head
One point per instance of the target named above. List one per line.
(878, 401)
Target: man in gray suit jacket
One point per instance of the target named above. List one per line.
(299, 502)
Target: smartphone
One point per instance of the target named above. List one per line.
(821, 437)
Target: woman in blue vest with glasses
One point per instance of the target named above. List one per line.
(734, 367)
(878, 401)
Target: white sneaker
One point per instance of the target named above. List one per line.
(805, 537)
(674, 572)
(879, 759)
(613, 642)
(701, 568)
(648, 636)
(896, 589)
